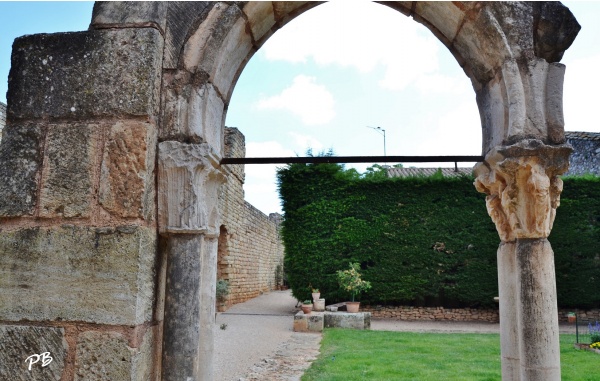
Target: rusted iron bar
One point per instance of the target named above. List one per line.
(350, 159)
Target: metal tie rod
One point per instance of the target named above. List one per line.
(350, 159)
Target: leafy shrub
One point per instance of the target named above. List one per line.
(423, 240)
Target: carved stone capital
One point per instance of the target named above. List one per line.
(188, 186)
(522, 187)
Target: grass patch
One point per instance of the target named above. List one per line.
(379, 355)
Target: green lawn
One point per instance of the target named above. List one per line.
(377, 355)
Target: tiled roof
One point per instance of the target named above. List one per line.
(447, 172)
(582, 135)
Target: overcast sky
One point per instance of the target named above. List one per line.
(338, 68)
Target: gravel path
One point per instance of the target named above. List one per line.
(258, 342)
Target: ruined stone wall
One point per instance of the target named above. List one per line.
(78, 242)
(2, 118)
(250, 248)
(585, 158)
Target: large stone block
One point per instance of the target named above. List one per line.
(182, 17)
(359, 320)
(17, 343)
(127, 178)
(121, 14)
(260, 18)
(20, 161)
(192, 109)
(67, 174)
(219, 47)
(98, 275)
(109, 356)
(86, 74)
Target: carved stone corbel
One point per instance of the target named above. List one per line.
(523, 187)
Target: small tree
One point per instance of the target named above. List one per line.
(350, 280)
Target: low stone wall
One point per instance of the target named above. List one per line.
(432, 313)
(460, 314)
(589, 315)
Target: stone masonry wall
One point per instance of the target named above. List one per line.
(585, 158)
(78, 242)
(250, 248)
(459, 314)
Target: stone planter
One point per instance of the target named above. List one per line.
(316, 296)
(319, 305)
(352, 306)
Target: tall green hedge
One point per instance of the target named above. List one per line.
(421, 241)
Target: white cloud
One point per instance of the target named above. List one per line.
(303, 142)
(362, 35)
(579, 98)
(312, 102)
(457, 132)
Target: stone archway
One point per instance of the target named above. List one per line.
(88, 112)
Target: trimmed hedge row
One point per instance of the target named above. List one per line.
(421, 241)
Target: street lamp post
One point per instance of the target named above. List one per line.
(381, 131)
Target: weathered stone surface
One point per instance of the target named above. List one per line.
(189, 309)
(127, 177)
(312, 322)
(538, 313)
(508, 290)
(122, 14)
(20, 162)
(188, 186)
(554, 103)
(219, 47)
(286, 10)
(483, 45)
(523, 188)
(109, 356)
(101, 275)
(192, 109)
(556, 29)
(359, 320)
(261, 19)
(448, 16)
(182, 17)
(17, 343)
(86, 74)
(67, 174)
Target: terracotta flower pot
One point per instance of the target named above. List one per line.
(307, 308)
(571, 318)
(352, 306)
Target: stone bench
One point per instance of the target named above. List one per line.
(316, 321)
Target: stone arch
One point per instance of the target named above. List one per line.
(162, 73)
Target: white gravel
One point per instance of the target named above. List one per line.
(254, 331)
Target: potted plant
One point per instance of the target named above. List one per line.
(350, 280)
(306, 307)
(571, 317)
(221, 293)
(316, 294)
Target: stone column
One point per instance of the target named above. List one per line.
(188, 216)
(523, 191)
